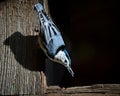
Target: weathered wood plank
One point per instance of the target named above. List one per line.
(98, 88)
(21, 61)
(83, 94)
(93, 90)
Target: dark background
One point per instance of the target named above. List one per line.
(92, 29)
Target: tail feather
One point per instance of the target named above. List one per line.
(38, 7)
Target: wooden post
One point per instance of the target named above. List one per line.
(21, 60)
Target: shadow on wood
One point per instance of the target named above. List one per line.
(2, 0)
(26, 51)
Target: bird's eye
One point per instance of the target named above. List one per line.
(65, 61)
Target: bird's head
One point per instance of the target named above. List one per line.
(63, 58)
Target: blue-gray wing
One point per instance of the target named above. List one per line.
(51, 35)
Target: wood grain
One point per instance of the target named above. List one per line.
(21, 60)
(93, 90)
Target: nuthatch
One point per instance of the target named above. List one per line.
(51, 41)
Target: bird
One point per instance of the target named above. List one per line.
(51, 41)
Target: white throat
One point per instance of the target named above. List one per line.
(61, 57)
